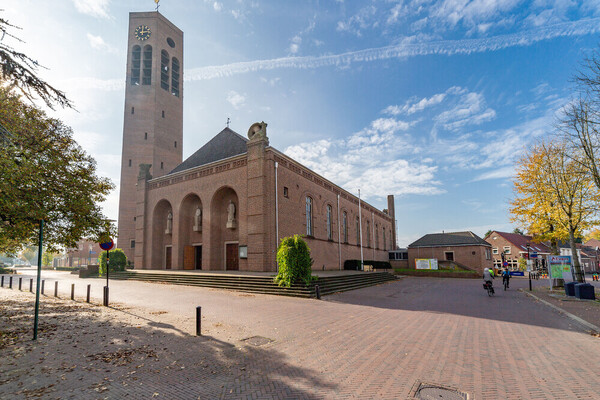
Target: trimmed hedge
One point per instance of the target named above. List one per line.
(354, 265)
(293, 257)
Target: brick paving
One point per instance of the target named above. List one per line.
(373, 343)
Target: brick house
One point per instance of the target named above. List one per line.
(514, 247)
(589, 256)
(227, 206)
(463, 248)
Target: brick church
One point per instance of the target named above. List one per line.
(227, 206)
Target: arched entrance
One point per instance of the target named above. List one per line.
(191, 224)
(162, 236)
(224, 230)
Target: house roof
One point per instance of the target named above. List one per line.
(592, 243)
(449, 239)
(225, 144)
(520, 242)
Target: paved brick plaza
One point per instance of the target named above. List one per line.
(374, 343)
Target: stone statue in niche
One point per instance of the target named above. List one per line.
(169, 229)
(231, 216)
(198, 220)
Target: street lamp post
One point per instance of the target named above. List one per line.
(528, 268)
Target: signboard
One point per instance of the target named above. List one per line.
(533, 255)
(107, 245)
(559, 267)
(426, 263)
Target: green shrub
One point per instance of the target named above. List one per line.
(118, 261)
(293, 257)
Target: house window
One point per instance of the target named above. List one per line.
(329, 230)
(488, 255)
(309, 210)
(133, 244)
(147, 68)
(449, 255)
(345, 226)
(136, 58)
(285, 191)
(506, 249)
(495, 250)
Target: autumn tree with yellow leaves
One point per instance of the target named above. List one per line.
(555, 198)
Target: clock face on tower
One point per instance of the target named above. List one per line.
(142, 32)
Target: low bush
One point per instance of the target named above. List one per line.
(118, 261)
(293, 257)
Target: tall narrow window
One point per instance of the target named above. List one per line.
(368, 235)
(136, 59)
(130, 162)
(133, 110)
(145, 135)
(309, 209)
(376, 236)
(384, 242)
(164, 70)
(147, 66)
(161, 165)
(329, 230)
(175, 77)
(345, 226)
(175, 144)
(357, 230)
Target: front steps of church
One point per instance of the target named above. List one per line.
(260, 284)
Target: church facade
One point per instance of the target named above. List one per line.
(227, 206)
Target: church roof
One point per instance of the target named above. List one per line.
(449, 239)
(225, 144)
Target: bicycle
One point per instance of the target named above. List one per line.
(490, 289)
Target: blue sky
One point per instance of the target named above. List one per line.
(430, 100)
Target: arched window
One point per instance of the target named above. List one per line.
(136, 61)
(147, 66)
(357, 230)
(329, 230)
(384, 242)
(164, 70)
(175, 77)
(345, 227)
(368, 235)
(309, 212)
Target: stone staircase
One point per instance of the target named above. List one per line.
(261, 284)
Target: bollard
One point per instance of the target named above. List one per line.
(20, 282)
(198, 321)
(318, 291)
(2, 283)
(72, 291)
(31, 285)
(530, 283)
(55, 288)
(105, 302)
(43, 282)
(10, 282)
(87, 299)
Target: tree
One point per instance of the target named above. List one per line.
(488, 233)
(518, 231)
(118, 261)
(47, 258)
(45, 175)
(554, 190)
(18, 71)
(293, 258)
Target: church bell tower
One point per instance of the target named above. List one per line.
(153, 117)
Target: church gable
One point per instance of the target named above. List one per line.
(225, 144)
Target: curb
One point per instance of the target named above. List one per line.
(568, 314)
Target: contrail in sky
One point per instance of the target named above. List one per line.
(444, 47)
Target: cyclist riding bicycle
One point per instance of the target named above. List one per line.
(488, 275)
(506, 277)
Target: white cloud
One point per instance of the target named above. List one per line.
(98, 43)
(235, 99)
(470, 110)
(95, 8)
(362, 20)
(217, 6)
(404, 50)
(412, 106)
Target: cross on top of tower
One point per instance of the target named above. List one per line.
(157, 5)
(228, 120)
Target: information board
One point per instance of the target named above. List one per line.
(560, 267)
(426, 263)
